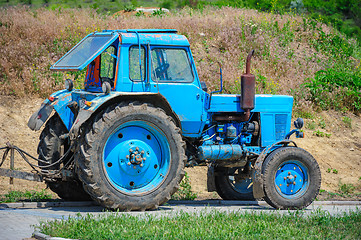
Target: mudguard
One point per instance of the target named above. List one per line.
(39, 117)
(99, 100)
(57, 101)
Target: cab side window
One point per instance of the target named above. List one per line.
(171, 65)
(137, 72)
(107, 63)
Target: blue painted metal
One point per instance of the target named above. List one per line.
(59, 104)
(220, 152)
(136, 157)
(292, 179)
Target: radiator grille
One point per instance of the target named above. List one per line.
(281, 122)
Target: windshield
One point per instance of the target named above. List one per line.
(83, 53)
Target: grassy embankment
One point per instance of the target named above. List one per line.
(294, 55)
(214, 225)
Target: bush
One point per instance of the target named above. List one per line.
(337, 89)
(185, 190)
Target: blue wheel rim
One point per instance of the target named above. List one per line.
(292, 179)
(241, 185)
(136, 157)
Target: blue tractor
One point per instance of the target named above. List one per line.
(144, 115)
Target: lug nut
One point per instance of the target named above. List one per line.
(127, 156)
(129, 163)
(130, 150)
(294, 183)
(295, 176)
(144, 159)
(284, 178)
(137, 148)
(141, 165)
(142, 152)
(289, 173)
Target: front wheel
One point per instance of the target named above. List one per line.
(292, 178)
(51, 148)
(132, 158)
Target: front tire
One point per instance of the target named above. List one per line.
(50, 149)
(132, 158)
(292, 178)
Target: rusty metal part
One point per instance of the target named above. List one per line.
(11, 161)
(232, 163)
(41, 172)
(257, 176)
(19, 174)
(248, 86)
(231, 117)
(248, 63)
(211, 183)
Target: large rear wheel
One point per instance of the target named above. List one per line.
(292, 178)
(132, 157)
(51, 148)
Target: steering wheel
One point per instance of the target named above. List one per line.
(161, 70)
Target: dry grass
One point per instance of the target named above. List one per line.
(32, 40)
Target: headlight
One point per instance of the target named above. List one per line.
(298, 123)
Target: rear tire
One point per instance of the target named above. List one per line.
(292, 178)
(116, 178)
(233, 187)
(49, 149)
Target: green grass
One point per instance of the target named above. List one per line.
(30, 196)
(214, 225)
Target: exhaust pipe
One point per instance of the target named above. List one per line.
(248, 86)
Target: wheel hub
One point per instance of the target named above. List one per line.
(290, 179)
(136, 156)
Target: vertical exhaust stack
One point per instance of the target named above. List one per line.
(248, 85)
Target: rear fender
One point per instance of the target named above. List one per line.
(101, 102)
(57, 101)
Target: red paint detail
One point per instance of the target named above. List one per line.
(39, 116)
(51, 99)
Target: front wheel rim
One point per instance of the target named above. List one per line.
(291, 179)
(136, 158)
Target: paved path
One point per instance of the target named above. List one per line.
(17, 220)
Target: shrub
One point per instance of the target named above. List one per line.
(185, 190)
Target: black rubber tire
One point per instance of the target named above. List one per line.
(49, 149)
(227, 191)
(91, 170)
(271, 166)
